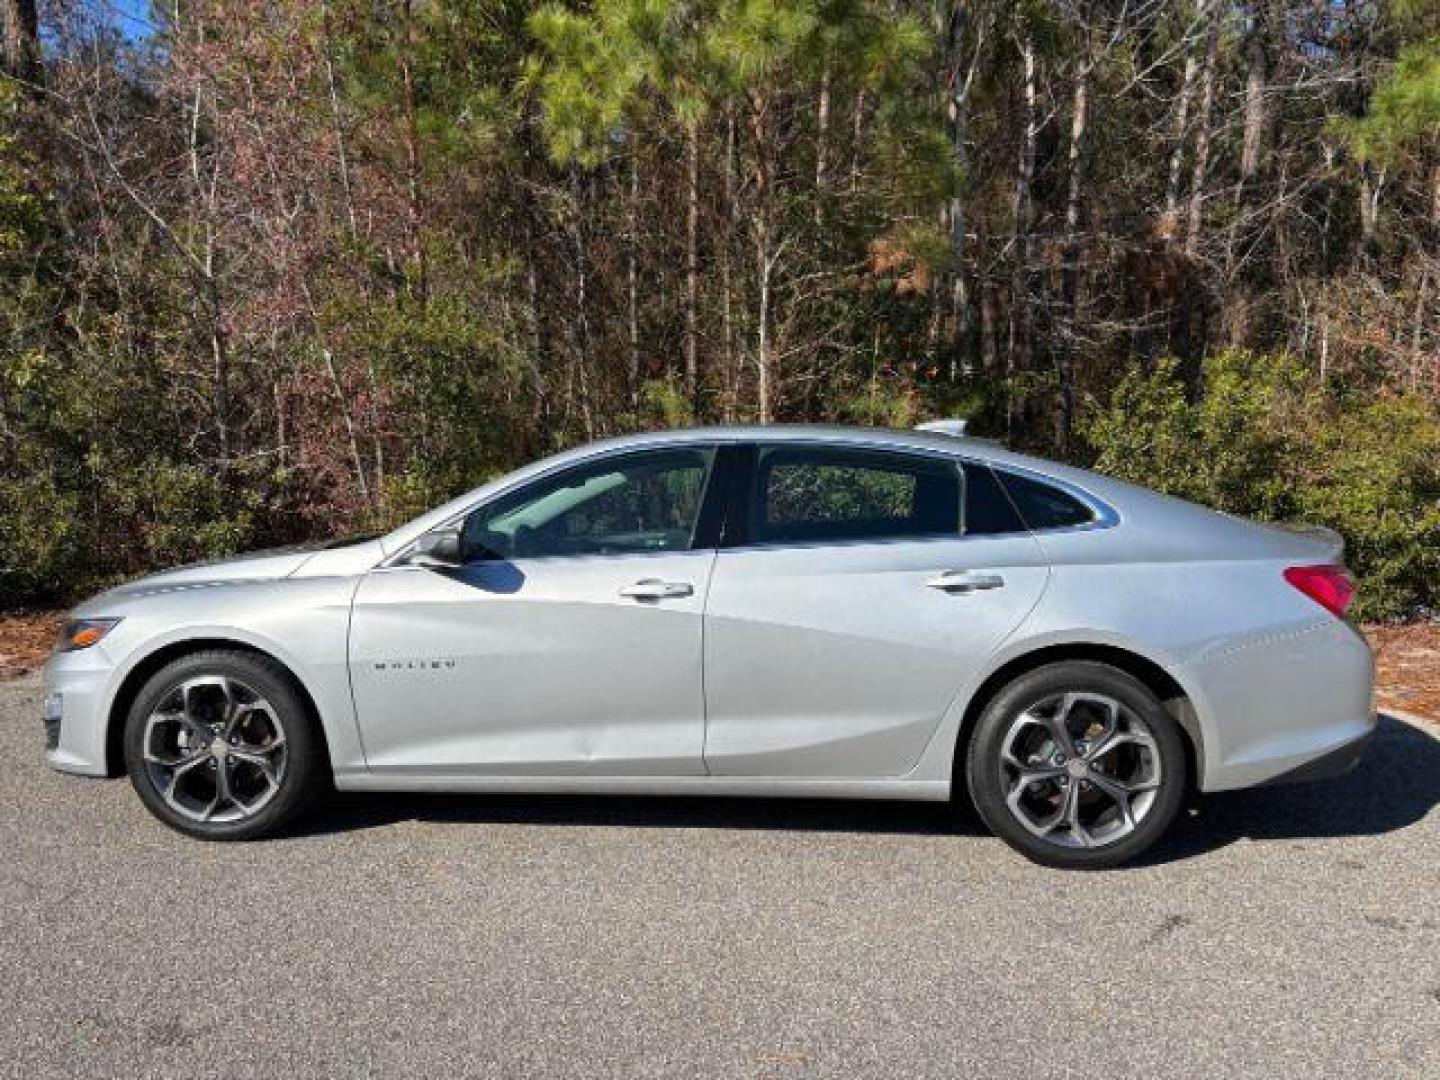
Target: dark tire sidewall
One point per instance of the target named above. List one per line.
(271, 682)
(982, 756)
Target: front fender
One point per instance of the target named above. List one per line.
(302, 624)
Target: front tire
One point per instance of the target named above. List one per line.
(1077, 765)
(219, 745)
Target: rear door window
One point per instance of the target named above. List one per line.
(826, 495)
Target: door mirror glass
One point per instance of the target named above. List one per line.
(438, 548)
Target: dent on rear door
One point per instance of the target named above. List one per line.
(840, 661)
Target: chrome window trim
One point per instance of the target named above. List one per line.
(1105, 516)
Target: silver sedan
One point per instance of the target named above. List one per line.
(767, 611)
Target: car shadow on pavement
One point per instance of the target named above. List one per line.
(1395, 785)
(350, 811)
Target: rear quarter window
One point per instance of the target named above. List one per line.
(1042, 505)
(988, 510)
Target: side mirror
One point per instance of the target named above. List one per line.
(438, 550)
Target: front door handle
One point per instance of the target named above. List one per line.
(965, 581)
(655, 589)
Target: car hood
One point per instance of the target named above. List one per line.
(256, 566)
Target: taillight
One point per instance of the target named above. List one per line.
(1330, 586)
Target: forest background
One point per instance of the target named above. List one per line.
(273, 270)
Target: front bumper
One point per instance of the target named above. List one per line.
(77, 696)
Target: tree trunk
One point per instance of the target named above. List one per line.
(822, 131)
(692, 267)
(1070, 285)
(341, 149)
(580, 358)
(532, 316)
(632, 275)
(958, 108)
(415, 208)
(857, 141)
(1435, 206)
(1182, 123)
(764, 258)
(1417, 329)
(22, 41)
(1200, 167)
(1018, 344)
(1370, 188)
(1257, 104)
(732, 363)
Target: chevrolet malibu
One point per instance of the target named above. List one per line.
(769, 611)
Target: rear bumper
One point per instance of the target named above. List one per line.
(1328, 766)
(1289, 704)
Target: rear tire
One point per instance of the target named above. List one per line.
(220, 746)
(1077, 765)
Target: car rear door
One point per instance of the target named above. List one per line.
(848, 605)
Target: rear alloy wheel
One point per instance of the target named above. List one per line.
(1077, 765)
(218, 745)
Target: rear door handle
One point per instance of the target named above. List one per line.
(655, 589)
(965, 581)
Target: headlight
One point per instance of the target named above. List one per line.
(82, 633)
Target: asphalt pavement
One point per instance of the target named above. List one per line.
(1279, 932)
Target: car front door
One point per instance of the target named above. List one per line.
(847, 613)
(569, 641)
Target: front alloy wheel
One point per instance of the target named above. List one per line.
(1077, 765)
(215, 750)
(219, 745)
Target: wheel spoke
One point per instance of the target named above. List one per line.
(1057, 723)
(1028, 776)
(222, 788)
(1116, 740)
(1118, 794)
(238, 714)
(195, 755)
(262, 759)
(1070, 811)
(181, 770)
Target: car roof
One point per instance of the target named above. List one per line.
(973, 447)
(809, 433)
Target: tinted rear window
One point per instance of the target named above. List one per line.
(1043, 506)
(988, 510)
(819, 495)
